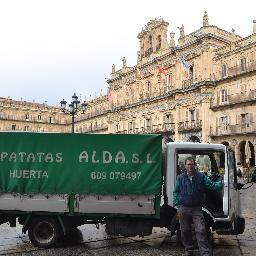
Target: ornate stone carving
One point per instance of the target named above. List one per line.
(113, 68)
(124, 62)
(172, 41)
(182, 33)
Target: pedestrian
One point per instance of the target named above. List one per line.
(240, 178)
(189, 195)
(239, 169)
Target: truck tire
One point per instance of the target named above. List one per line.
(44, 232)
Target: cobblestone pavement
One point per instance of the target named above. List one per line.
(247, 240)
(89, 241)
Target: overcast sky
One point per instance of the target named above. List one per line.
(50, 49)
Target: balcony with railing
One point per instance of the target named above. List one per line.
(168, 127)
(233, 99)
(234, 129)
(155, 128)
(190, 126)
(187, 83)
(232, 71)
(93, 128)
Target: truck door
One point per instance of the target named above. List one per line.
(233, 199)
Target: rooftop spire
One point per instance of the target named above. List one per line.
(205, 19)
(254, 27)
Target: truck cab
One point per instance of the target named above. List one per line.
(221, 209)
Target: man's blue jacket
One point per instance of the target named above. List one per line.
(192, 193)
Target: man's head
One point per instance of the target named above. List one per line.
(190, 166)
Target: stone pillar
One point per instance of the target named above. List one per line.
(254, 147)
(237, 153)
(172, 41)
(254, 27)
(205, 117)
(177, 136)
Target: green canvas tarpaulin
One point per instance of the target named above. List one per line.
(80, 163)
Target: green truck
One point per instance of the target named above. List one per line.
(53, 182)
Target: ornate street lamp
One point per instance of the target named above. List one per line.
(74, 107)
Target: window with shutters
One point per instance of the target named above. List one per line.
(27, 117)
(224, 123)
(116, 128)
(13, 127)
(245, 120)
(26, 128)
(191, 72)
(243, 64)
(148, 94)
(223, 71)
(131, 126)
(169, 119)
(192, 115)
(224, 95)
(168, 81)
(147, 122)
(186, 120)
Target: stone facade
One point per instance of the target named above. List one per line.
(203, 90)
(32, 117)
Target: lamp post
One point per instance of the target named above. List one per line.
(74, 107)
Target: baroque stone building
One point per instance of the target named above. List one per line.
(202, 89)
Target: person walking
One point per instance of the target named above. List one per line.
(188, 195)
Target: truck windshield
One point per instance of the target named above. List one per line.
(208, 162)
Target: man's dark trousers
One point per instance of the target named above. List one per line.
(189, 214)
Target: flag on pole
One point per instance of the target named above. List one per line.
(109, 95)
(160, 69)
(184, 63)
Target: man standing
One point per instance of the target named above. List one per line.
(189, 194)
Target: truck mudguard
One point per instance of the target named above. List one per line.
(62, 163)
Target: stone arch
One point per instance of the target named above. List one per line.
(194, 138)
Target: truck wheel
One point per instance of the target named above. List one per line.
(44, 232)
